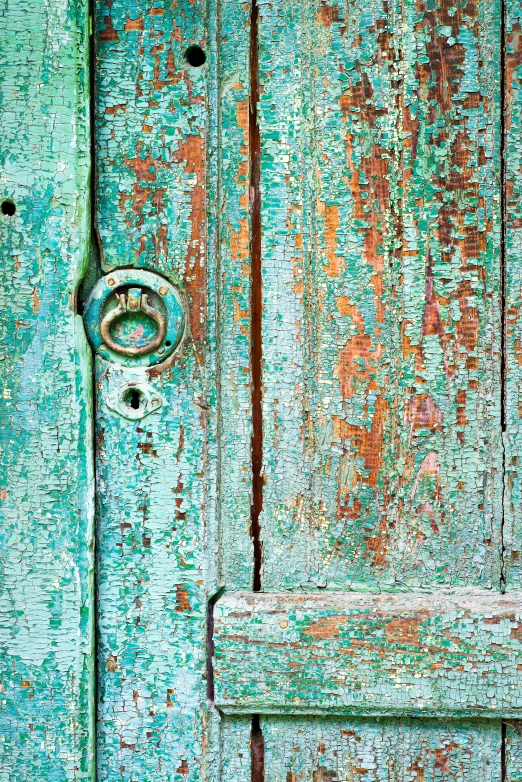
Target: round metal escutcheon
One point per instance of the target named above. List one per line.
(134, 317)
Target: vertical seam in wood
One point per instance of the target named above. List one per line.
(503, 765)
(211, 645)
(502, 282)
(257, 744)
(256, 301)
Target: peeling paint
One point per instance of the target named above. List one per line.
(46, 575)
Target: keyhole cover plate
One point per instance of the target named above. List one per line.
(134, 317)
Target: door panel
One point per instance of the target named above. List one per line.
(155, 475)
(380, 194)
(381, 326)
(324, 750)
(46, 483)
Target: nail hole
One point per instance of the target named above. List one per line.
(133, 398)
(8, 208)
(168, 343)
(195, 56)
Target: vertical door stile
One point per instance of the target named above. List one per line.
(156, 499)
(235, 552)
(46, 483)
(235, 549)
(513, 294)
(512, 538)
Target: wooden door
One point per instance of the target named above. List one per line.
(287, 546)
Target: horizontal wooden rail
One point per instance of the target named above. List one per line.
(440, 654)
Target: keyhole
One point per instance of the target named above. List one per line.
(133, 398)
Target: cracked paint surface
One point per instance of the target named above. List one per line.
(155, 484)
(513, 284)
(46, 480)
(235, 554)
(449, 655)
(381, 328)
(380, 196)
(298, 750)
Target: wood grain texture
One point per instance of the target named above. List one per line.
(235, 424)
(330, 750)
(155, 476)
(513, 294)
(46, 475)
(381, 267)
(438, 655)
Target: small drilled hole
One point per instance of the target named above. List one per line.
(133, 398)
(195, 56)
(8, 208)
(168, 343)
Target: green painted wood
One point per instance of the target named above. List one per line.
(513, 295)
(235, 551)
(235, 752)
(513, 752)
(438, 655)
(155, 191)
(46, 483)
(327, 750)
(381, 268)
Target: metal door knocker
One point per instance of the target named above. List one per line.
(134, 317)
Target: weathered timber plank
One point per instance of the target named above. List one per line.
(156, 483)
(513, 752)
(327, 750)
(380, 206)
(441, 655)
(46, 476)
(235, 762)
(235, 425)
(513, 293)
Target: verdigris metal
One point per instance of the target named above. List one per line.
(141, 313)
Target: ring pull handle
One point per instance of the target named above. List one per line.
(136, 300)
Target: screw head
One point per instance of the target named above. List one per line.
(111, 281)
(163, 290)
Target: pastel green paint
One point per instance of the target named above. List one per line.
(380, 199)
(235, 468)
(156, 506)
(450, 655)
(386, 469)
(328, 749)
(513, 290)
(46, 479)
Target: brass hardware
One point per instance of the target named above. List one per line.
(134, 301)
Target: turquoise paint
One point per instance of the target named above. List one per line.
(46, 476)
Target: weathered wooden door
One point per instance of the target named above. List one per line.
(261, 415)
